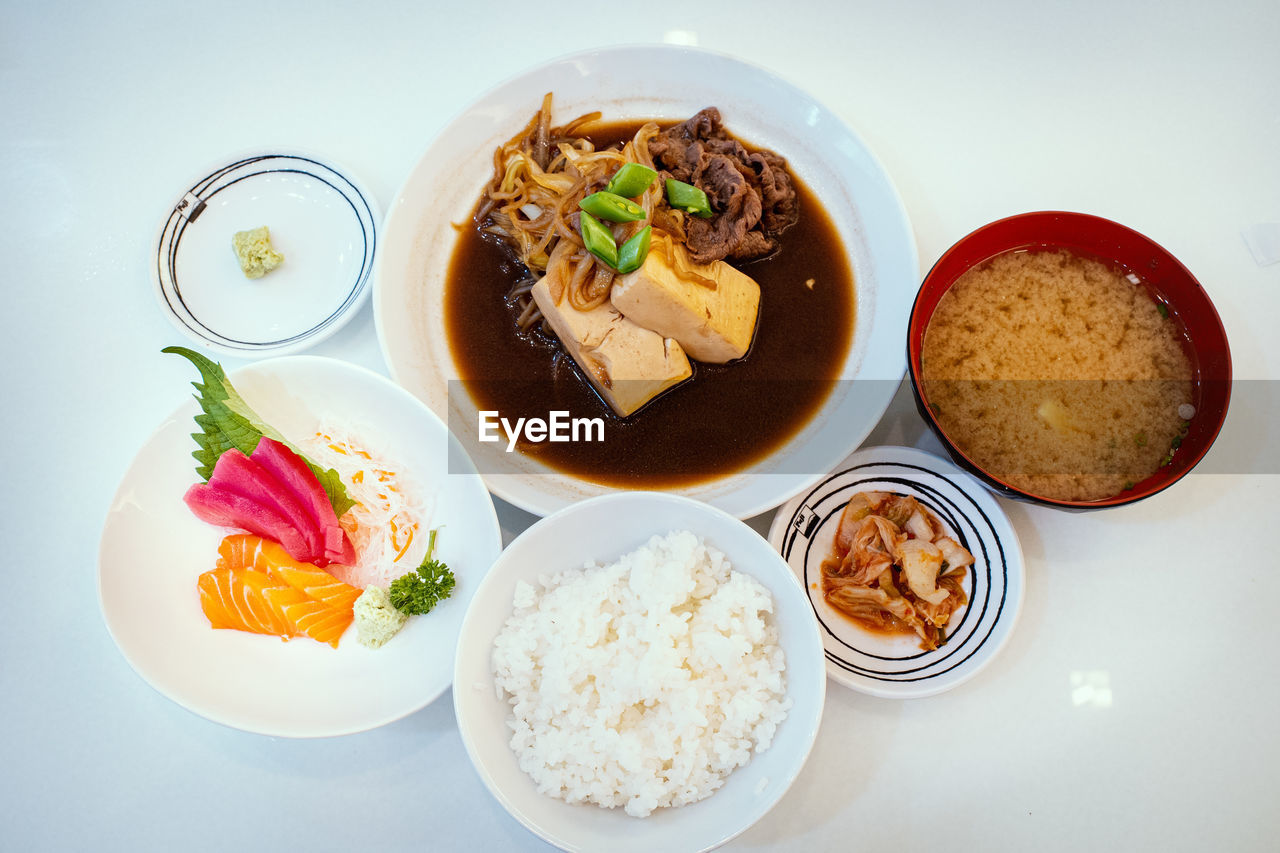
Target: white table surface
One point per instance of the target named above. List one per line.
(1135, 706)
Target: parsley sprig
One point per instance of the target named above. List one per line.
(416, 593)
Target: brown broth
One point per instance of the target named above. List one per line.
(725, 419)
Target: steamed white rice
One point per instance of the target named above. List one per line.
(643, 683)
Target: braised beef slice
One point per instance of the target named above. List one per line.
(754, 245)
(779, 200)
(739, 211)
(677, 149)
(751, 193)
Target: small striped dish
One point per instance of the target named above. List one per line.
(894, 666)
(321, 219)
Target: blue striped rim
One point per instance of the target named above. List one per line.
(217, 181)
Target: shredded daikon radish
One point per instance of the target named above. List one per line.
(387, 522)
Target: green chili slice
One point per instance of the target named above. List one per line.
(688, 198)
(598, 240)
(631, 180)
(615, 208)
(634, 251)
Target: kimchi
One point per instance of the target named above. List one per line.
(894, 569)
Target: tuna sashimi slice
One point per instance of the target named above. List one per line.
(234, 598)
(238, 473)
(225, 508)
(338, 547)
(287, 467)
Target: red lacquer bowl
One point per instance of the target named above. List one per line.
(1205, 339)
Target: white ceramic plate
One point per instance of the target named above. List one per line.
(671, 84)
(322, 220)
(894, 666)
(153, 549)
(601, 530)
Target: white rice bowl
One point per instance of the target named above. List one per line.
(715, 676)
(642, 683)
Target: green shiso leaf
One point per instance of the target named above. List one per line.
(227, 421)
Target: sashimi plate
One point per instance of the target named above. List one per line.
(153, 549)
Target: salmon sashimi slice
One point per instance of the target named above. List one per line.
(304, 599)
(239, 551)
(244, 550)
(313, 618)
(237, 598)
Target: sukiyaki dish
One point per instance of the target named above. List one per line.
(653, 257)
(625, 247)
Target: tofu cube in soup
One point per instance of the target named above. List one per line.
(710, 309)
(627, 364)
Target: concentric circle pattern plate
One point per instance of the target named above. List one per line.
(889, 665)
(320, 218)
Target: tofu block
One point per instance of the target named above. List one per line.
(628, 364)
(713, 325)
